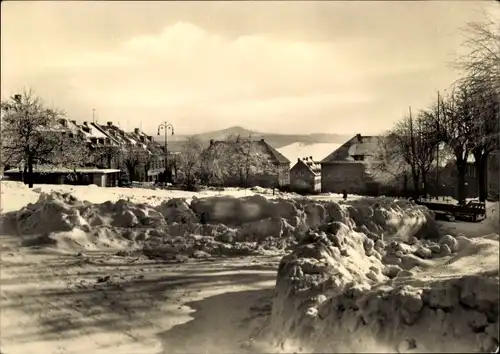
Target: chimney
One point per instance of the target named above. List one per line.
(360, 139)
(110, 124)
(136, 130)
(211, 142)
(310, 158)
(86, 123)
(262, 140)
(298, 159)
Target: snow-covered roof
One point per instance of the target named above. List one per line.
(310, 164)
(359, 145)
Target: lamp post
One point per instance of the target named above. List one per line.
(166, 127)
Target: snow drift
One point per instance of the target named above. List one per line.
(214, 225)
(371, 283)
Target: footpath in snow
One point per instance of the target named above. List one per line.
(137, 271)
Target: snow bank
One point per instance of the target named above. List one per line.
(370, 282)
(214, 225)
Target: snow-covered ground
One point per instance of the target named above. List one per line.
(137, 271)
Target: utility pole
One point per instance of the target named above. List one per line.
(166, 127)
(413, 152)
(437, 150)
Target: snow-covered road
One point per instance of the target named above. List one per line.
(97, 303)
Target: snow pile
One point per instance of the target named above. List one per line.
(492, 217)
(360, 285)
(215, 225)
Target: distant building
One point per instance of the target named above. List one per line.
(448, 180)
(151, 169)
(279, 176)
(76, 176)
(493, 175)
(348, 167)
(156, 164)
(305, 176)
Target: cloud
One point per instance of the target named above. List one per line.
(186, 64)
(200, 77)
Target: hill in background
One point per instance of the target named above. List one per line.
(278, 141)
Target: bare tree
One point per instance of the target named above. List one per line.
(133, 158)
(485, 107)
(482, 62)
(211, 165)
(242, 157)
(481, 66)
(32, 134)
(190, 162)
(388, 163)
(108, 156)
(457, 130)
(409, 148)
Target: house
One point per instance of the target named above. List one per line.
(305, 176)
(348, 167)
(149, 169)
(104, 149)
(156, 164)
(448, 180)
(62, 175)
(277, 176)
(493, 175)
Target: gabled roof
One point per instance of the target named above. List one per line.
(115, 133)
(359, 145)
(265, 147)
(146, 141)
(280, 158)
(313, 166)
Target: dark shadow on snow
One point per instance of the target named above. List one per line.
(130, 298)
(221, 324)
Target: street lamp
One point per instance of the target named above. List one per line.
(166, 127)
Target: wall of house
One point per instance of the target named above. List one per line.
(337, 177)
(493, 174)
(284, 174)
(281, 177)
(271, 180)
(303, 180)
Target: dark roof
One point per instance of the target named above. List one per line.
(274, 154)
(359, 145)
(313, 166)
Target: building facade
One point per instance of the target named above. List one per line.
(305, 176)
(348, 167)
(493, 175)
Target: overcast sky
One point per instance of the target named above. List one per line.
(286, 67)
